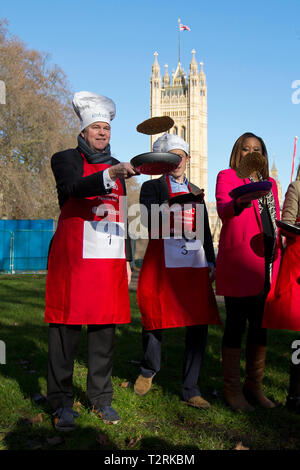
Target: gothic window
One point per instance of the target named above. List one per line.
(183, 132)
(175, 130)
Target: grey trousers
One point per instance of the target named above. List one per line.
(195, 343)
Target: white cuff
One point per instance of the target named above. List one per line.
(107, 181)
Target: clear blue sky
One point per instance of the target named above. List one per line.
(250, 50)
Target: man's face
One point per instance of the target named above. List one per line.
(179, 171)
(97, 135)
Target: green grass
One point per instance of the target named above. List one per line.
(157, 421)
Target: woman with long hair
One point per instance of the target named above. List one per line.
(248, 258)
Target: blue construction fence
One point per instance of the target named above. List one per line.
(24, 244)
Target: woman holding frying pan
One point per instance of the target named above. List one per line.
(248, 257)
(282, 305)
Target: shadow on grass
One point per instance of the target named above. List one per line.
(27, 437)
(26, 342)
(269, 435)
(21, 437)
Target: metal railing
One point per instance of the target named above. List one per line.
(24, 250)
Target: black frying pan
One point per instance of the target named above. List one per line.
(155, 163)
(254, 190)
(289, 228)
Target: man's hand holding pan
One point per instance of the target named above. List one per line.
(122, 170)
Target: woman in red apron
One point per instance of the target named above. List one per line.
(174, 286)
(87, 281)
(282, 308)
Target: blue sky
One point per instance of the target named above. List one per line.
(251, 55)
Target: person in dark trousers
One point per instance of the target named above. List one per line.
(89, 263)
(247, 261)
(174, 285)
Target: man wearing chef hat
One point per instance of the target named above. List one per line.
(88, 266)
(174, 286)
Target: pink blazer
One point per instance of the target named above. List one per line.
(240, 266)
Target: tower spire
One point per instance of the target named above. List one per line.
(166, 78)
(193, 64)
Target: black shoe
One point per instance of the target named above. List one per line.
(293, 404)
(64, 419)
(108, 415)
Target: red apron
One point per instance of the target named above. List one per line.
(282, 308)
(87, 275)
(174, 288)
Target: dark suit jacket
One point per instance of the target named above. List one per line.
(156, 191)
(67, 167)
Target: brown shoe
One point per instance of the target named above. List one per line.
(198, 402)
(255, 364)
(142, 385)
(233, 394)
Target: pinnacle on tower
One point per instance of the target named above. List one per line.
(166, 78)
(155, 78)
(155, 66)
(201, 73)
(193, 58)
(274, 172)
(193, 64)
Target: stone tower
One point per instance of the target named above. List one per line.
(184, 99)
(274, 174)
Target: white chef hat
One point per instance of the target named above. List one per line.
(91, 107)
(168, 142)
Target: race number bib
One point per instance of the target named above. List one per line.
(184, 254)
(103, 240)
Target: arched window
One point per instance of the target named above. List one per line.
(183, 132)
(175, 130)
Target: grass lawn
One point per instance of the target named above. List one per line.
(157, 421)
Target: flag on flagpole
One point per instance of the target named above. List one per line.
(183, 27)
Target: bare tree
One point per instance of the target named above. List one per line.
(36, 121)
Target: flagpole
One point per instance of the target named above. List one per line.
(178, 39)
(296, 138)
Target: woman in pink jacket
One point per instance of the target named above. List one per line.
(248, 258)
